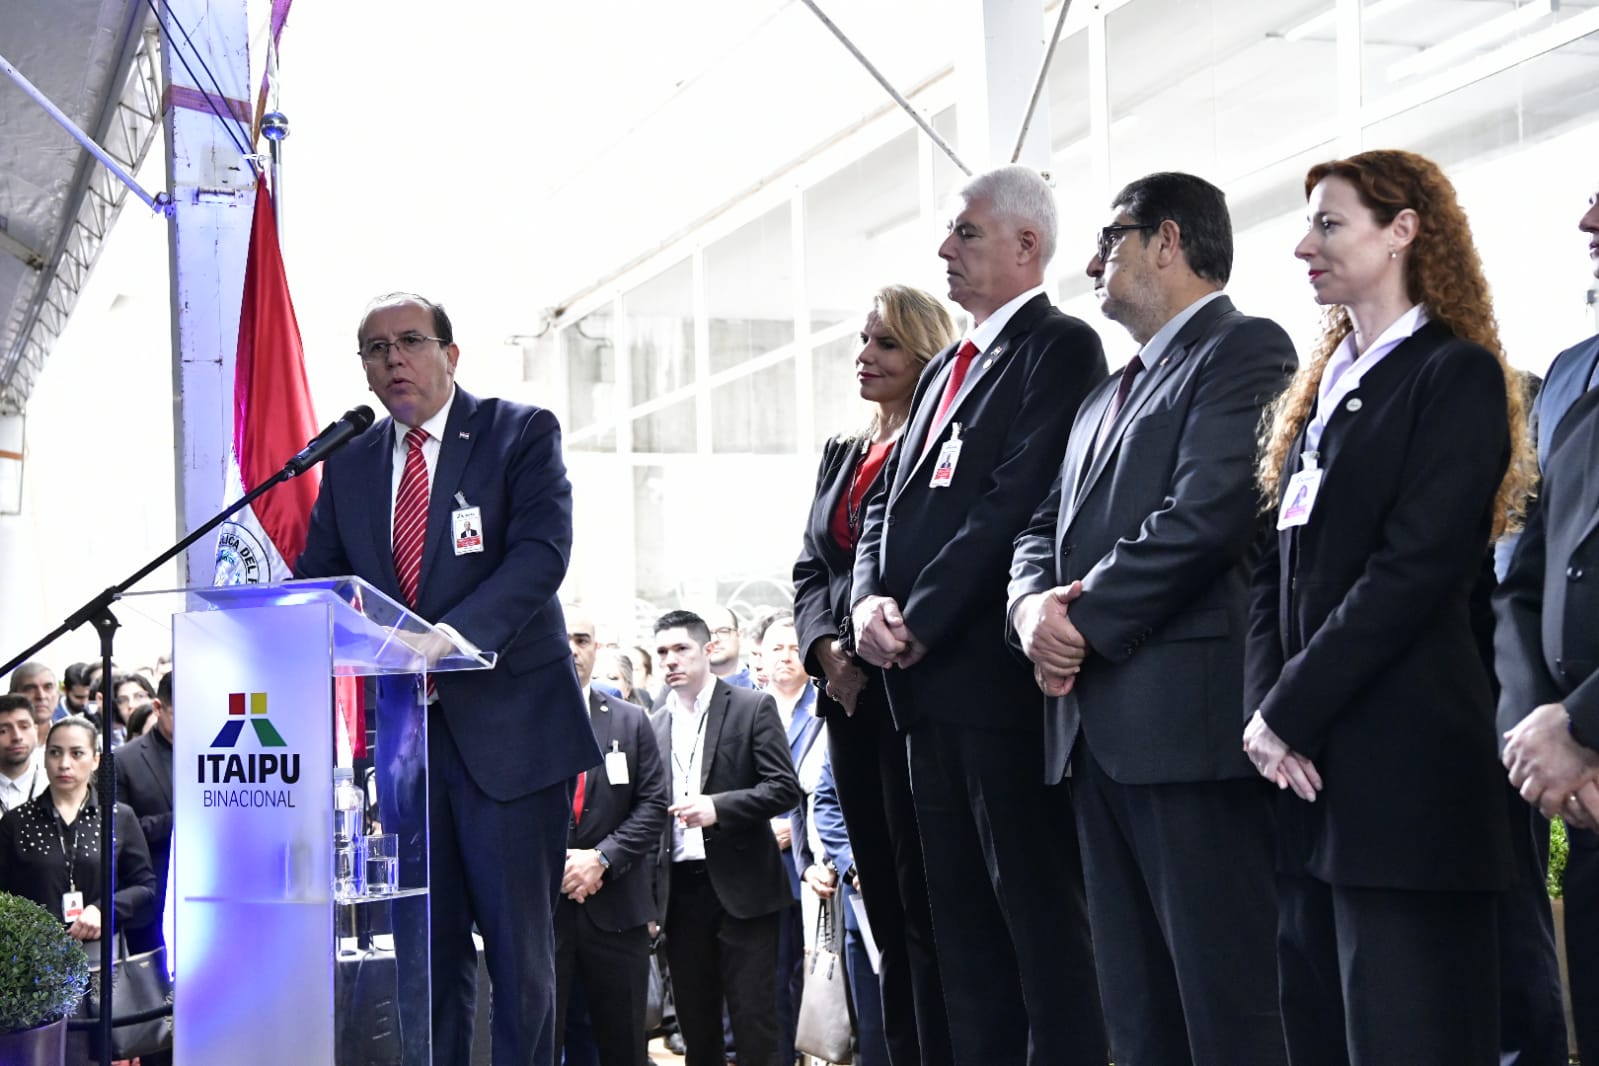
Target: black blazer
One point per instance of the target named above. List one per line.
(823, 573)
(1547, 638)
(623, 821)
(1160, 525)
(1361, 653)
(749, 774)
(944, 554)
(144, 783)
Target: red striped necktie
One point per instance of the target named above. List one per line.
(411, 515)
(957, 377)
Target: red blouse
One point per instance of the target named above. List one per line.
(847, 517)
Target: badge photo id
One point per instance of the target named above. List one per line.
(1300, 498)
(71, 906)
(466, 525)
(949, 455)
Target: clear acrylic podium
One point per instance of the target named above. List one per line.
(272, 966)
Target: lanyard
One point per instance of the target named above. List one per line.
(686, 777)
(70, 855)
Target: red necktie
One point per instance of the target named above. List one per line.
(577, 800)
(957, 376)
(411, 515)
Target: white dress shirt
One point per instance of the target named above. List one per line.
(16, 791)
(1347, 367)
(430, 452)
(988, 331)
(688, 762)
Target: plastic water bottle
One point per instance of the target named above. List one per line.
(349, 873)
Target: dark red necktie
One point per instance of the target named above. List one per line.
(952, 388)
(577, 799)
(1130, 372)
(411, 516)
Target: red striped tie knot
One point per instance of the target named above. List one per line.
(410, 515)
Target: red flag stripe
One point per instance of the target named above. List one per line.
(272, 412)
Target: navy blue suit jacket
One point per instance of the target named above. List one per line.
(523, 725)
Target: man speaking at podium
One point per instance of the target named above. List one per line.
(505, 744)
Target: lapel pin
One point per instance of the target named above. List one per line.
(1353, 404)
(1164, 360)
(987, 363)
(464, 435)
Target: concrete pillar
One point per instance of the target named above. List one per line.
(212, 189)
(999, 47)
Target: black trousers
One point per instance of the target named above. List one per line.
(872, 776)
(493, 864)
(1005, 882)
(1379, 977)
(1582, 937)
(1531, 1010)
(614, 971)
(1182, 899)
(712, 955)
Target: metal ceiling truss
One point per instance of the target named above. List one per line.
(126, 130)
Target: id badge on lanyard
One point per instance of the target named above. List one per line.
(1300, 498)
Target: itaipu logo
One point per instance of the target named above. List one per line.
(248, 779)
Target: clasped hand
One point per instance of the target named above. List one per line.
(1050, 641)
(1277, 762)
(881, 636)
(583, 874)
(1551, 769)
(845, 680)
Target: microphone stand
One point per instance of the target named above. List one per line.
(97, 612)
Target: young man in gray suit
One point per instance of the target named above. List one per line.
(1129, 595)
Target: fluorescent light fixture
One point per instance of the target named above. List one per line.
(1322, 24)
(1483, 35)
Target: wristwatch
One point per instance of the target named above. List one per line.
(604, 862)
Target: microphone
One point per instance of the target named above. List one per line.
(330, 440)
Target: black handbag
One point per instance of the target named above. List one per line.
(139, 984)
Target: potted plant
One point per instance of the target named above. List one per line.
(43, 975)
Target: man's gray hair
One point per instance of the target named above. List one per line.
(1020, 194)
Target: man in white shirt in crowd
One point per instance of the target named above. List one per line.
(722, 880)
(22, 775)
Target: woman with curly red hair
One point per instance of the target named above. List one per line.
(1390, 463)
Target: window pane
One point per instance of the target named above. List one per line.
(1408, 41)
(1217, 88)
(755, 413)
(668, 430)
(660, 323)
(1077, 200)
(749, 290)
(863, 231)
(591, 368)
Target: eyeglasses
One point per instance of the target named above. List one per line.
(409, 343)
(1108, 235)
(723, 632)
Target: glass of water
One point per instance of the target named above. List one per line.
(382, 864)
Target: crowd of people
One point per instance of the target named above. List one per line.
(50, 849)
(1158, 709)
(1212, 711)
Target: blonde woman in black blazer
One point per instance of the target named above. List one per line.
(904, 330)
(1390, 464)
